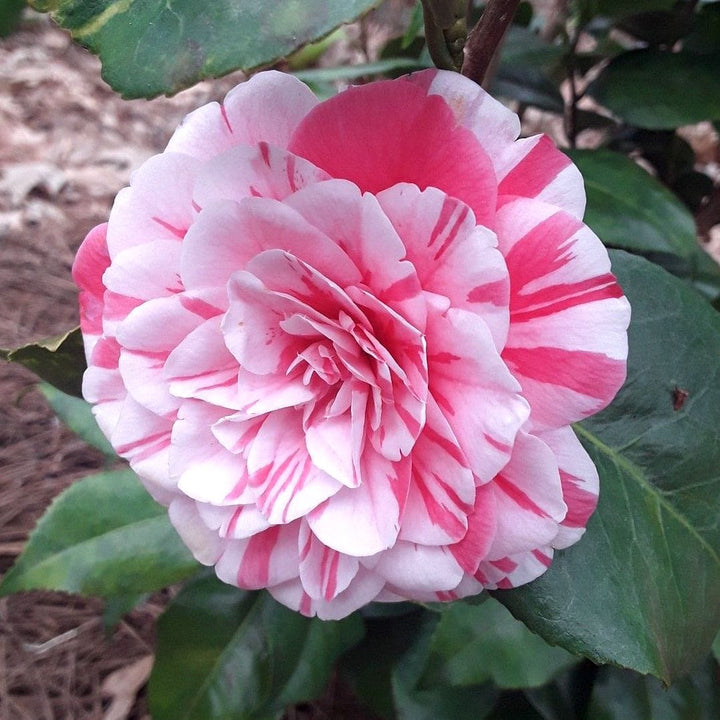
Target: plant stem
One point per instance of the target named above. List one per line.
(486, 36)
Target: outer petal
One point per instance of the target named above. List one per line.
(515, 570)
(266, 108)
(568, 318)
(348, 137)
(204, 544)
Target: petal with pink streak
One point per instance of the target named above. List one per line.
(442, 489)
(287, 483)
(268, 558)
(567, 344)
(333, 447)
(580, 484)
(90, 263)
(260, 170)
(482, 526)
(363, 589)
(494, 125)
(145, 381)
(324, 572)
(365, 520)
(204, 544)
(534, 168)
(412, 569)
(528, 499)
(451, 254)
(234, 522)
(358, 225)
(266, 108)
(474, 390)
(515, 570)
(157, 205)
(348, 137)
(146, 271)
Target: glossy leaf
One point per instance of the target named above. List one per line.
(624, 695)
(435, 702)
(631, 210)
(76, 413)
(528, 86)
(228, 653)
(476, 643)
(660, 90)
(59, 360)
(642, 588)
(104, 536)
(153, 47)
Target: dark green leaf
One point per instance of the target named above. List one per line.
(624, 695)
(656, 89)
(104, 536)
(59, 360)
(116, 607)
(658, 27)
(10, 15)
(476, 643)
(528, 86)
(619, 8)
(716, 647)
(642, 588)
(352, 72)
(151, 47)
(77, 415)
(705, 37)
(522, 47)
(440, 702)
(227, 653)
(629, 209)
(415, 26)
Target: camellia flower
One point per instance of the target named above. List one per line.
(344, 341)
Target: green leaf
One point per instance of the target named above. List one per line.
(10, 16)
(438, 702)
(227, 653)
(104, 536)
(476, 643)
(116, 607)
(352, 72)
(642, 587)
(660, 90)
(624, 695)
(59, 360)
(76, 413)
(631, 210)
(619, 8)
(716, 647)
(150, 47)
(528, 86)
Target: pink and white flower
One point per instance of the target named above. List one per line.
(344, 341)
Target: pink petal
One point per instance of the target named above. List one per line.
(349, 137)
(156, 206)
(144, 378)
(580, 484)
(363, 521)
(235, 522)
(534, 168)
(442, 490)
(451, 254)
(528, 499)
(324, 573)
(482, 526)
(474, 390)
(516, 570)
(568, 319)
(413, 569)
(266, 108)
(204, 544)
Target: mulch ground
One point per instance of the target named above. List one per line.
(67, 145)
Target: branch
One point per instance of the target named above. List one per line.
(486, 37)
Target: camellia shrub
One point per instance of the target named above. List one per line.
(437, 403)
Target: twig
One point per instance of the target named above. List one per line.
(485, 38)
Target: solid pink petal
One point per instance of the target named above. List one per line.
(204, 544)
(363, 521)
(451, 254)
(516, 570)
(157, 205)
(266, 108)
(474, 390)
(146, 271)
(288, 484)
(363, 589)
(268, 558)
(534, 168)
(568, 318)
(324, 573)
(253, 171)
(528, 499)
(350, 137)
(580, 484)
(358, 225)
(412, 569)
(90, 263)
(494, 125)
(442, 490)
